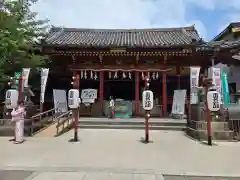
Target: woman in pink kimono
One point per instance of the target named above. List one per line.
(18, 118)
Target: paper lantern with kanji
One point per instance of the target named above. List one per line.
(147, 100)
(213, 100)
(11, 98)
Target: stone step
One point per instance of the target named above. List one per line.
(216, 135)
(129, 126)
(133, 122)
(9, 130)
(216, 126)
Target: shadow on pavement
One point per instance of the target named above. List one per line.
(14, 174)
(179, 177)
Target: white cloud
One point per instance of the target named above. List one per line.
(231, 17)
(217, 4)
(234, 17)
(228, 10)
(206, 4)
(125, 13)
(116, 14)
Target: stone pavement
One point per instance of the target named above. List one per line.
(117, 154)
(88, 175)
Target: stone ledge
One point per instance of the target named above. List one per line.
(216, 135)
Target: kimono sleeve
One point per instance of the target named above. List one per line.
(14, 113)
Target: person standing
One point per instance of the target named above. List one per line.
(111, 107)
(18, 115)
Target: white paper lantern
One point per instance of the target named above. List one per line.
(11, 98)
(147, 100)
(213, 100)
(73, 98)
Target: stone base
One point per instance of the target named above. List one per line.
(220, 131)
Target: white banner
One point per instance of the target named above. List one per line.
(60, 100)
(26, 72)
(179, 99)
(44, 77)
(215, 74)
(89, 95)
(194, 83)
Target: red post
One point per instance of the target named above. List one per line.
(164, 92)
(147, 127)
(101, 90)
(76, 84)
(136, 93)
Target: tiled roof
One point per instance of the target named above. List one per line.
(226, 30)
(162, 37)
(223, 44)
(226, 44)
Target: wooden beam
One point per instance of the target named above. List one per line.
(155, 68)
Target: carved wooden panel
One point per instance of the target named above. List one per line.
(87, 60)
(119, 60)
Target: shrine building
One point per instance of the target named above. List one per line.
(116, 61)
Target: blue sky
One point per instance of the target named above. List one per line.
(208, 16)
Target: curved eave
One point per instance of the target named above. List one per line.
(111, 47)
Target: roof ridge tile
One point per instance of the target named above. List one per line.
(155, 37)
(187, 28)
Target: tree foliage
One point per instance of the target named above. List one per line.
(19, 32)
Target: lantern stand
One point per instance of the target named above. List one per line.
(75, 84)
(147, 113)
(207, 82)
(20, 92)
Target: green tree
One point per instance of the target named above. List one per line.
(20, 31)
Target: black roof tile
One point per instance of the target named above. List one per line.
(145, 38)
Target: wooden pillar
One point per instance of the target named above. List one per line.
(76, 112)
(178, 77)
(164, 93)
(179, 81)
(136, 93)
(101, 91)
(76, 81)
(164, 89)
